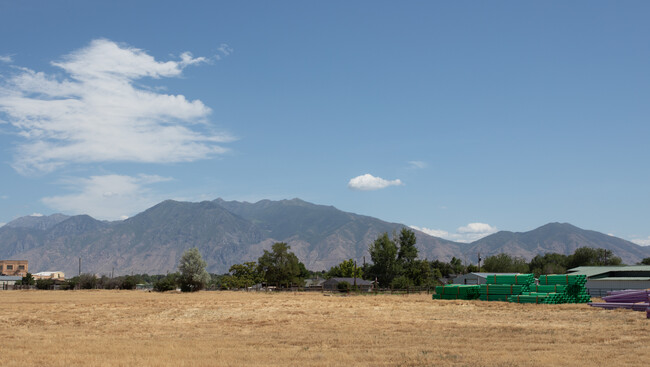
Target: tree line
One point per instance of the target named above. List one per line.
(394, 263)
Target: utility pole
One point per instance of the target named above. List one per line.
(479, 262)
(355, 274)
(79, 265)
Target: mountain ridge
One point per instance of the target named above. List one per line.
(231, 232)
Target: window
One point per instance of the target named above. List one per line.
(10, 267)
(21, 267)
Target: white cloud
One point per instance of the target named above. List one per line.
(6, 58)
(225, 50)
(36, 215)
(641, 241)
(432, 232)
(477, 228)
(99, 114)
(417, 164)
(469, 233)
(369, 182)
(2, 224)
(110, 197)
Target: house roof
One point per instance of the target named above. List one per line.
(351, 281)
(635, 279)
(9, 278)
(592, 271)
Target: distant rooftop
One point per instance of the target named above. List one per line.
(592, 271)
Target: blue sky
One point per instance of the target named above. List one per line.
(459, 118)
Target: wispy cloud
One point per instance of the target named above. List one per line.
(469, 233)
(6, 58)
(641, 241)
(223, 51)
(369, 182)
(417, 164)
(99, 114)
(107, 197)
(36, 215)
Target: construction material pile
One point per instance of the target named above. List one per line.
(521, 288)
(499, 287)
(633, 299)
(456, 291)
(558, 288)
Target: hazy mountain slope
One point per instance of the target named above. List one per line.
(556, 237)
(231, 232)
(323, 236)
(43, 222)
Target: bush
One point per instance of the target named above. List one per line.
(167, 283)
(44, 283)
(401, 282)
(128, 282)
(343, 286)
(87, 281)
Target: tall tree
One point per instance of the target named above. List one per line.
(587, 256)
(383, 253)
(407, 251)
(345, 269)
(504, 263)
(193, 276)
(279, 266)
(246, 274)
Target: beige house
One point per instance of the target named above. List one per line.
(56, 275)
(17, 268)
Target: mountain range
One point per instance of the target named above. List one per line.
(231, 232)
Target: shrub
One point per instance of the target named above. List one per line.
(343, 286)
(87, 281)
(44, 283)
(167, 283)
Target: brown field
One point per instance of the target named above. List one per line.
(135, 328)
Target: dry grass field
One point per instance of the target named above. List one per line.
(135, 328)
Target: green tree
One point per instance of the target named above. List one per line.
(245, 275)
(401, 282)
(407, 252)
(44, 283)
(549, 263)
(345, 269)
(166, 283)
(383, 253)
(279, 266)
(28, 279)
(87, 281)
(646, 261)
(504, 263)
(193, 276)
(587, 256)
(457, 266)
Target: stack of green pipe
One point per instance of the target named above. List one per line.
(574, 291)
(500, 292)
(500, 286)
(518, 279)
(555, 288)
(456, 291)
(564, 279)
(531, 298)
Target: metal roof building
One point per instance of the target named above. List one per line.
(475, 278)
(7, 281)
(601, 279)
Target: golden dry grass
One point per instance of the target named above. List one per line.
(134, 328)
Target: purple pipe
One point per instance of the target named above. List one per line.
(628, 296)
